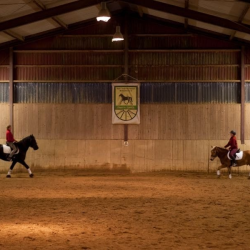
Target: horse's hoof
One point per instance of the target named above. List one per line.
(218, 176)
(31, 175)
(248, 177)
(8, 176)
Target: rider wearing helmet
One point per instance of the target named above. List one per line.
(233, 147)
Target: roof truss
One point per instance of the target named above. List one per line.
(191, 14)
(87, 23)
(47, 13)
(155, 5)
(52, 12)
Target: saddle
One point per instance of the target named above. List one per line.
(7, 149)
(238, 155)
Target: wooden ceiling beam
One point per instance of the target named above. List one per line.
(48, 13)
(191, 14)
(243, 14)
(56, 19)
(199, 31)
(14, 35)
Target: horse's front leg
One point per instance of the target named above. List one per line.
(27, 167)
(218, 170)
(10, 170)
(230, 172)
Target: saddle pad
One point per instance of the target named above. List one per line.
(6, 149)
(238, 155)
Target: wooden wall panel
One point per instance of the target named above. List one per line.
(247, 121)
(4, 120)
(158, 122)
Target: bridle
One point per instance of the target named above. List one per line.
(213, 157)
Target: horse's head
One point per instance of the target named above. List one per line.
(213, 153)
(33, 142)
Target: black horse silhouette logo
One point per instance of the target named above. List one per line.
(126, 99)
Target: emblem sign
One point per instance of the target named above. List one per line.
(126, 103)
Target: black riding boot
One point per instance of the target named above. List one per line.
(233, 161)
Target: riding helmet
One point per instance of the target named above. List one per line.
(233, 132)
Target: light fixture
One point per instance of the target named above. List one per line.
(104, 14)
(118, 35)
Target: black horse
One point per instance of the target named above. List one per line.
(23, 147)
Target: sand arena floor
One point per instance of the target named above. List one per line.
(142, 211)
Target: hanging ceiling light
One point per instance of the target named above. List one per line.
(104, 14)
(118, 35)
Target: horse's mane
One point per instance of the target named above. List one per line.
(24, 139)
(224, 149)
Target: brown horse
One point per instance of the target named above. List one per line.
(225, 162)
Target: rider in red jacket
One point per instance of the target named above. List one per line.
(10, 142)
(233, 147)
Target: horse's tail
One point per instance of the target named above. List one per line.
(2, 155)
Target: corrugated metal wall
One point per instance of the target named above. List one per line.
(68, 58)
(145, 66)
(247, 88)
(190, 92)
(4, 65)
(175, 42)
(188, 73)
(189, 65)
(74, 73)
(62, 93)
(150, 93)
(4, 73)
(4, 92)
(75, 65)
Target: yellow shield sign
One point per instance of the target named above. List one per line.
(126, 103)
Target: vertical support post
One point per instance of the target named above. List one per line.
(126, 65)
(242, 120)
(11, 76)
(126, 47)
(186, 19)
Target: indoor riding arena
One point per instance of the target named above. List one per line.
(117, 108)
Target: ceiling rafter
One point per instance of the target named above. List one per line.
(47, 13)
(49, 33)
(241, 18)
(191, 14)
(56, 19)
(14, 35)
(199, 31)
